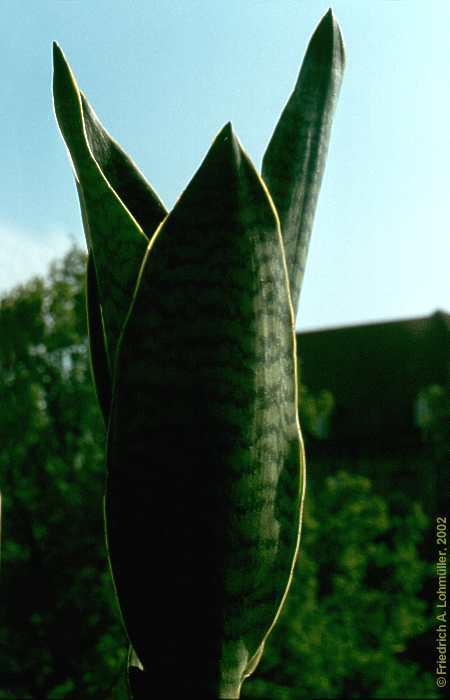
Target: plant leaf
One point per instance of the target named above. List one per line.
(294, 162)
(122, 174)
(112, 194)
(141, 200)
(205, 461)
(100, 365)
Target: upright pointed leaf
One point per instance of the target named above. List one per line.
(294, 162)
(143, 203)
(141, 200)
(115, 238)
(100, 361)
(122, 174)
(100, 364)
(205, 468)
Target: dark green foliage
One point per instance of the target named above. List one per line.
(433, 419)
(98, 354)
(194, 360)
(58, 628)
(115, 238)
(205, 478)
(294, 163)
(356, 604)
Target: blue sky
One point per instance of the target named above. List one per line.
(164, 77)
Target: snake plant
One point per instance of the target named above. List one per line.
(191, 318)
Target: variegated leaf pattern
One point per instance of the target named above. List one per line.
(205, 460)
(120, 213)
(192, 336)
(294, 162)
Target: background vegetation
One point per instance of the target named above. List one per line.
(356, 619)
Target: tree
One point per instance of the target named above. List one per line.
(355, 602)
(58, 630)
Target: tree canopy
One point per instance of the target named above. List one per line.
(355, 606)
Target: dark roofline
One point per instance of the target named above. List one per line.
(375, 372)
(418, 320)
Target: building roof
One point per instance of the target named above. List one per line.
(375, 373)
